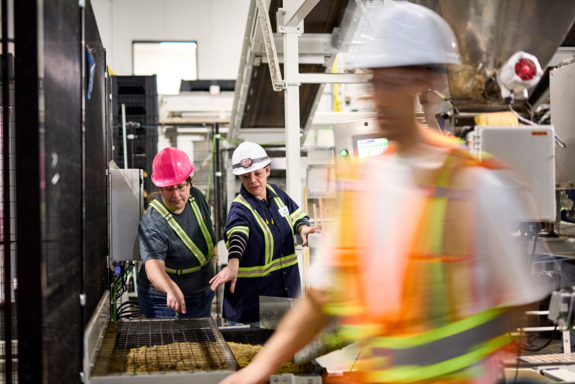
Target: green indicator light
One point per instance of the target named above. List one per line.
(343, 152)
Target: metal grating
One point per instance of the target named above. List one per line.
(163, 345)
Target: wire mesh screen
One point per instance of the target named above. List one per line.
(145, 346)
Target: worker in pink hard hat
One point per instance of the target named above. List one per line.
(177, 243)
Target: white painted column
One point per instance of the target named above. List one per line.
(292, 111)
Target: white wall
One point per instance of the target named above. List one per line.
(218, 26)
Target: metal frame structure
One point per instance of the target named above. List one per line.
(292, 47)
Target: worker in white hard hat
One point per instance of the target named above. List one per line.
(260, 234)
(422, 270)
(176, 239)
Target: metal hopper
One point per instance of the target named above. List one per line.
(489, 32)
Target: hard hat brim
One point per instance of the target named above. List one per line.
(160, 183)
(251, 168)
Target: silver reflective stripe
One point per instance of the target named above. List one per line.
(443, 348)
(183, 271)
(182, 235)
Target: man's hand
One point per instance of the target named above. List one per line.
(305, 230)
(175, 299)
(156, 271)
(229, 273)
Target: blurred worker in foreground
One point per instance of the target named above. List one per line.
(177, 240)
(260, 234)
(422, 270)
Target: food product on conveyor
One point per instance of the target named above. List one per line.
(244, 354)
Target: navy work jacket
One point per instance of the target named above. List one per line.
(268, 266)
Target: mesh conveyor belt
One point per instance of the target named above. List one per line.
(160, 345)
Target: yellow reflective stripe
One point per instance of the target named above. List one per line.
(343, 308)
(203, 228)
(436, 216)
(240, 229)
(268, 238)
(439, 333)
(160, 208)
(260, 271)
(439, 205)
(297, 214)
(280, 205)
(179, 231)
(357, 332)
(414, 373)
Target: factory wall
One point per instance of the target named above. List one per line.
(216, 25)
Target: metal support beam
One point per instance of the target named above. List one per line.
(292, 118)
(290, 23)
(294, 11)
(335, 78)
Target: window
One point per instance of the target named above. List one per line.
(170, 61)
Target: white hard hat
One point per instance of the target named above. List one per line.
(406, 34)
(249, 157)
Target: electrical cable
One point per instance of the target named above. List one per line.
(465, 130)
(521, 118)
(541, 347)
(558, 140)
(129, 309)
(119, 288)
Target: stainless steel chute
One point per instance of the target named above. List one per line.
(489, 32)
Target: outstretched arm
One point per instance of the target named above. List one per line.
(156, 271)
(305, 230)
(298, 327)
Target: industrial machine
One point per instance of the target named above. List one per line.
(148, 351)
(498, 73)
(133, 349)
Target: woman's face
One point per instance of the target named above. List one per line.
(255, 182)
(176, 196)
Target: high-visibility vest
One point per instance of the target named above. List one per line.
(271, 264)
(425, 351)
(203, 259)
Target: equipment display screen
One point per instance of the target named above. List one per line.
(369, 145)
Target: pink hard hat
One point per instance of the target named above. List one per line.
(171, 166)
